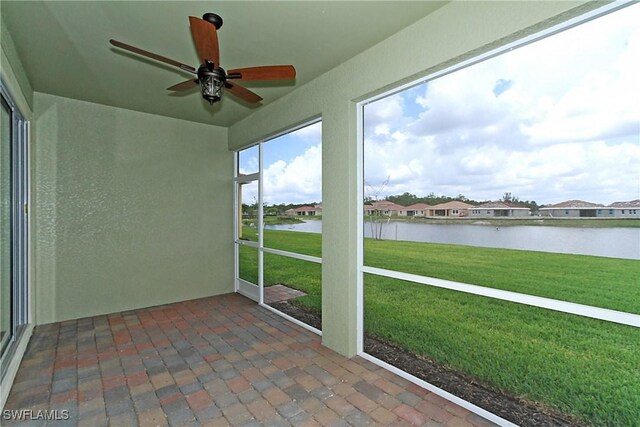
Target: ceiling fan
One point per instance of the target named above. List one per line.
(210, 76)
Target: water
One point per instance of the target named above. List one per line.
(614, 242)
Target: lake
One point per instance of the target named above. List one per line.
(614, 242)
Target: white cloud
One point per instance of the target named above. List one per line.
(296, 181)
(312, 133)
(603, 104)
(567, 124)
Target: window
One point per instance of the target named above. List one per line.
(517, 291)
(279, 209)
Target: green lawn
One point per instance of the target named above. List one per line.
(581, 366)
(598, 281)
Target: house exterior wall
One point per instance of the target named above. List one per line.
(491, 213)
(603, 212)
(561, 213)
(600, 212)
(453, 33)
(627, 212)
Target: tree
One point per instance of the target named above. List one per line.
(510, 198)
(377, 220)
(405, 199)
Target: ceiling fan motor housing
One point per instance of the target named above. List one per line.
(212, 81)
(214, 19)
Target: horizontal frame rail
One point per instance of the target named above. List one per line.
(293, 255)
(615, 316)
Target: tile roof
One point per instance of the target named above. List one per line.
(308, 209)
(453, 205)
(629, 204)
(499, 205)
(387, 205)
(574, 204)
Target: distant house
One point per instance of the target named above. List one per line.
(304, 211)
(418, 209)
(630, 209)
(575, 209)
(451, 209)
(498, 209)
(385, 207)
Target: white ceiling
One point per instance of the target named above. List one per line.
(64, 46)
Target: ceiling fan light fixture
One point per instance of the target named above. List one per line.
(212, 81)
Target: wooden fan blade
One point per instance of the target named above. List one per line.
(242, 93)
(152, 56)
(186, 85)
(205, 37)
(266, 72)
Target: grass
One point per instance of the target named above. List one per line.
(582, 366)
(602, 282)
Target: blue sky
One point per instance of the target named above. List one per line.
(554, 120)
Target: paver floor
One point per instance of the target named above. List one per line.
(213, 361)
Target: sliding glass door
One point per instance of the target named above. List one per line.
(13, 226)
(6, 291)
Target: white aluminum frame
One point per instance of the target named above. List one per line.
(241, 286)
(250, 290)
(20, 289)
(556, 305)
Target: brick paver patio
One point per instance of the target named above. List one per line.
(213, 361)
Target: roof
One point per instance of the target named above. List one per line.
(453, 205)
(387, 205)
(417, 206)
(629, 204)
(575, 204)
(500, 205)
(308, 209)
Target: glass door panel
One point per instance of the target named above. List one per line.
(6, 283)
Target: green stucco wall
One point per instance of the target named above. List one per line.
(457, 31)
(10, 64)
(130, 209)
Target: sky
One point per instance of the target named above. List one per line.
(554, 120)
(292, 167)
